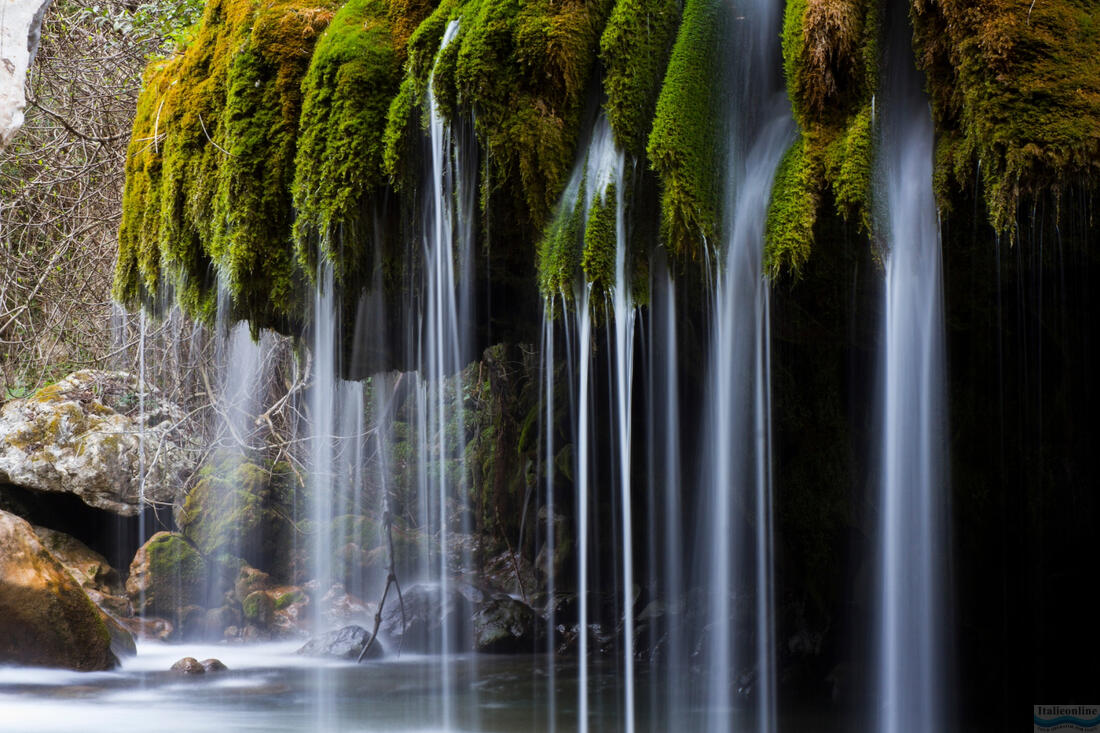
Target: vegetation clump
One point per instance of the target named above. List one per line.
(1015, 88)
(354, 76)
(684, 141)
(830, 58)
(210, 163)
(634, 49)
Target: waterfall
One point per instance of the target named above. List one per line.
(736, 532)
(913, 495)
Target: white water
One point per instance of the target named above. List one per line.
(737, 455)
(910, 667)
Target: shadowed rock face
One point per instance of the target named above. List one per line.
(86, 435)
(46, 619)
(19, 31)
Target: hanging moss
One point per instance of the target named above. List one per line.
(830, 58)
(791, 212)
(684, 142)
(355, 74)
(634, 49)
(561, 247)
(600, 241)
(253, 214)
(522, 68)
(1016, 87)
(407, 113)
(212, 192)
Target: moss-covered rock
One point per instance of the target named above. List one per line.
(166, 575)
(45, 617)
(241, 512)
(1015, 87)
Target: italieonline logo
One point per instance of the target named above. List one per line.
(1067, 717)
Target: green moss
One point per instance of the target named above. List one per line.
(355, 75)
(177, 574)
(561, 248)
(1016, 87)
(287, 600)
(792, 212)
(240, 511)
(684, 142)
(830, 59)
(522, 68)
(598, 259)
(209, 165)
(634, 49)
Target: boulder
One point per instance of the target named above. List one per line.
(507, 626)
(46, 618)
(241, 510)
(259, 609)
(167, 575)
(213, 665)
(96, 576)
(426, 610)
(345, 643)
(189, 665)
(87, 435)
(19, 34)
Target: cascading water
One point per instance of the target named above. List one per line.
(910, 669)
(736, 491)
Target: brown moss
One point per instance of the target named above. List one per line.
(1015, 85)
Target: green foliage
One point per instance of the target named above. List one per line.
(208, 170)
(684, 142)
(634, 49)
(1015, 86)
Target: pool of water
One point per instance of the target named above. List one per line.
(270, 688)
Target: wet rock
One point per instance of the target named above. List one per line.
(259, 609)
(192, 623)
(345, 643)
(122, 641)
(338, 607)
(241, 510)
(219, 619)
(427, 609)
(46, 618)
(213, 665)
(189, 665)
(85, 435)
(291, 612)
(96, 576)
(249, 579)
(156, 629)
(507, 626)
(167, 574)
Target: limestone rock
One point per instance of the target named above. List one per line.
(87, 435)
(19, 34)
(167, 575)
(46, 619)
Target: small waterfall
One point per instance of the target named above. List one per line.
(736, 534)
(913, 496)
